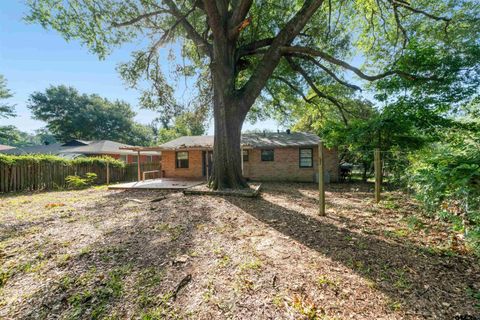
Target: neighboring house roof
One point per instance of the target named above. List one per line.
(105, 147)
(76, 142)
(249, 140)
(53, 148)
(5, 147)
(76, 148)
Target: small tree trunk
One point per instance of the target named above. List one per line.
(364, 174)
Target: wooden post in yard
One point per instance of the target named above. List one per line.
(321, 179)
(378, 174)
(108, 173)
(139, 176)
(206, 163)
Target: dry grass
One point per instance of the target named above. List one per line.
(115, 255)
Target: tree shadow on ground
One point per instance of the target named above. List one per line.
(422, 283)
(130, 266)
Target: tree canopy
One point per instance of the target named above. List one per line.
(71, 115)
(6, 109)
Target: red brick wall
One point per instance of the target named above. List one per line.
(285, 166)
(194, 170)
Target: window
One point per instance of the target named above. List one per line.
(134, 159)
(149, 158)
(306, 158)
(245, 155)
(267, 155)
(123, 157)
(181, 159)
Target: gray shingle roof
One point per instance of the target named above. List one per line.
(253, 140)
(95, 147)
(105, 147)
(53, 148)
(186, 142)
(279, 140)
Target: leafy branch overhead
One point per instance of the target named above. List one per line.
(319, 33)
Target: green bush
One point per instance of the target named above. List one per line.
(77, 182)
(41, 158)
(446, 179)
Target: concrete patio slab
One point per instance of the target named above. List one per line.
(169, 184)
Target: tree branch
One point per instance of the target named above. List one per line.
(312, 85)
(291, 86)
(270, 60)
(139, 18)
(240, 11)
(193, 35)
(328, 71)
(214, 20)
(239, 14)
(407, 6)
(400, 26)
(325, 56)
(252, 47)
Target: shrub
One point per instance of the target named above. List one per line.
(42, 158)
(77, 182)
(446, 179)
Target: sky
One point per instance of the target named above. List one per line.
(32, 59)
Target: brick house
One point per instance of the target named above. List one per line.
(266, 157)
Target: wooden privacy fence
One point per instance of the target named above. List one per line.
(47, 175)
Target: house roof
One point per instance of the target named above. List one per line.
(93, 147)
(280, 139)
(106, 147)
(249, 140)
(76, 143)
(5, 147)
(188, 142)
(53, 148)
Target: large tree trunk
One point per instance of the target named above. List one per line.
(229, 117)
(227, 167)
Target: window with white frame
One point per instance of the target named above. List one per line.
(306, 158)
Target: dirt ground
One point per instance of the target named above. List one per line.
(95, 254)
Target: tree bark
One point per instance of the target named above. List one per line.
(227, 167)
(231, 105)
(364, 173)
(229, 117)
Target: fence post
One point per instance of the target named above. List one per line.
(108, 173)
(321, 179)
(378, 174)
(139, 174)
